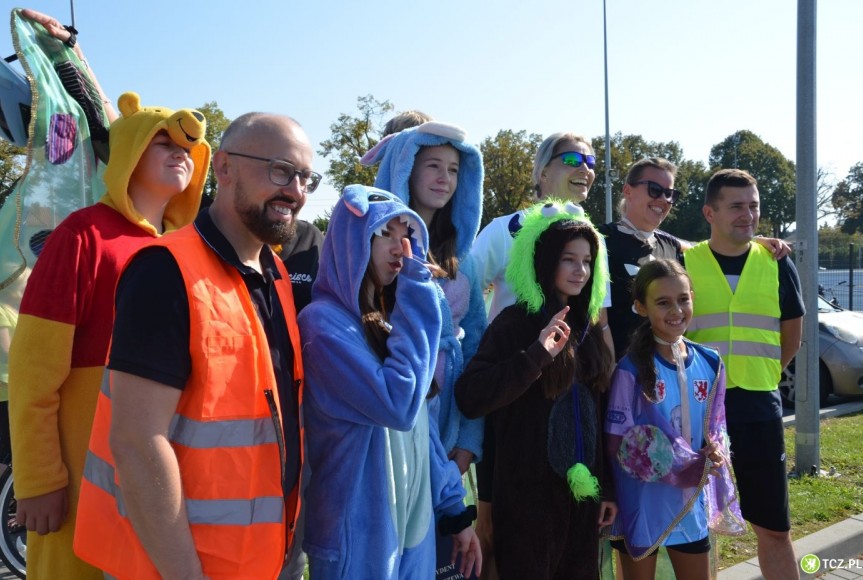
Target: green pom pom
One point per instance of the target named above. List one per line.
(583, 484)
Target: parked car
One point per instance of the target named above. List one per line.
(840, 355)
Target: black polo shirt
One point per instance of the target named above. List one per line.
(151, 328)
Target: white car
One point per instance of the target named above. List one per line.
(840, 355)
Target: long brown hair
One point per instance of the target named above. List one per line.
(442, 238)
(374, 314)
(643, 346)
(585, 358)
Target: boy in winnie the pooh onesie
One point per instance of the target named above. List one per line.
(155, 176)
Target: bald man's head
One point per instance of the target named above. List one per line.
(264, 170)
(254, 126)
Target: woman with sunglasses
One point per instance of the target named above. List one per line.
(635, 239)
(563, 169)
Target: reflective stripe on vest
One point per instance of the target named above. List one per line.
(224, 512)
(207, 434)
(744, 326)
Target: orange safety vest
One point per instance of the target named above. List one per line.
(226, 433)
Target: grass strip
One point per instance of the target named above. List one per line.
(816, 502)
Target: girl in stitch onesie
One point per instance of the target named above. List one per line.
(379, 473)
(539, 372)
(439, 175)
(666, 435)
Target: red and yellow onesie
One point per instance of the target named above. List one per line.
(60, 346)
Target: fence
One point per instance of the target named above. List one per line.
(842, 279)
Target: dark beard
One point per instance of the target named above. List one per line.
(255, 219)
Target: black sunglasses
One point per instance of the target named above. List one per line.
(575, 159)
(656, 191)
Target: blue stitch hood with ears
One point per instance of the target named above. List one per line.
(345, 254)
(397, 153)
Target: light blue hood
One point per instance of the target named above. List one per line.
(397, 153)
(347, 246)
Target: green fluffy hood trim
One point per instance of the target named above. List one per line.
(520, 274)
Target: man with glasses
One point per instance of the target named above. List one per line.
(202, 417)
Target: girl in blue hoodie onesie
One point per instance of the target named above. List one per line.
(439, 175)
(379, 473)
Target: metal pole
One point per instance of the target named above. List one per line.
(806, 380)
(850, 276)
(608, 212)
(72, 10)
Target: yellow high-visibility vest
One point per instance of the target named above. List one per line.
(743, 325)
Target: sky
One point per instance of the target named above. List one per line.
(690, 71)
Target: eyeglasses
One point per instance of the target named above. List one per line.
(575, 159)
(655, 190)
(282, 173)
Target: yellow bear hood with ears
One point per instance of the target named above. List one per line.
(130, 135)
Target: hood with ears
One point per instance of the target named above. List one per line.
(397, 153)
(520, 272)
(130, 135)
(359, 213)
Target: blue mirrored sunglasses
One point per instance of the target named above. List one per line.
(575, 159)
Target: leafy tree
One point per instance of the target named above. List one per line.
(216, 125)
(833, 246)
(686, 220)
(625, 150)
(11, 166)
(351, 138)
(508, 161)
(775, 174)
(322, 222)
(848, 200)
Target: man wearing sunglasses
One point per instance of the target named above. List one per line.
(206, 376)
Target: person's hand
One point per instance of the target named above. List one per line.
(406, 249)
(484, 530)
(713, 452)
(779, 248)
(466, 543)
(607, 513)
(462, 458)
(554, 336)
(43, 514)
(51, 24)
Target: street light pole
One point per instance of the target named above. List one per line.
(807, 444)
(608, 216)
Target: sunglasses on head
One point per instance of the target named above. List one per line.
(575, 159)
(656, 191)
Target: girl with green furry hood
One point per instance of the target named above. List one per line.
(539, 372)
